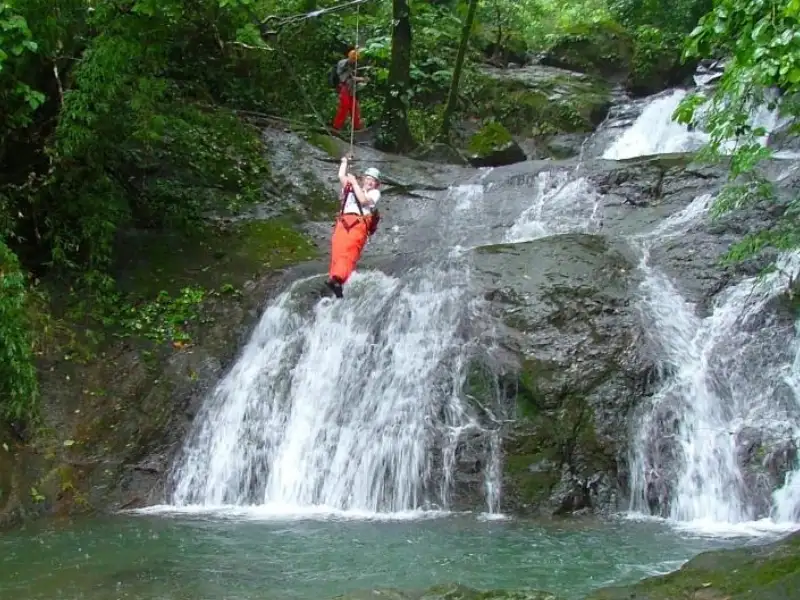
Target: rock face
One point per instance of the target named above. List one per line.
(493, 146)
(542, 99)
(566, 303)
(115, 423)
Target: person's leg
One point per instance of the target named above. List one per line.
(344, 108)
(348, 242)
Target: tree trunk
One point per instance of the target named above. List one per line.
(394, 134)
(452, 97)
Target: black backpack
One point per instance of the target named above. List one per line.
(333, 77)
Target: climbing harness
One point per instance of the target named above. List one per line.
(371, 220)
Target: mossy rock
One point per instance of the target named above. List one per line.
(454, 591)
(493, 146)
(230, 254)
(604, 48)
(325, 142)
(765, 572)
(533, 107)
(513, 48)
(656, 64)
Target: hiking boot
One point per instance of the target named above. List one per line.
(335, 286)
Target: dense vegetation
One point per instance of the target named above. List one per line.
(143, 115)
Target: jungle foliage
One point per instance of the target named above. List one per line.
(144, 115)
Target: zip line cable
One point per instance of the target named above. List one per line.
(355, 87)
(267, 30)
(282, 21)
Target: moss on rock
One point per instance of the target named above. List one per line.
(603, 48)
(490, 137)
(765, 572)
(226, 254)
(656, 63)
(325, 142)
(493, 146)
(534, 105)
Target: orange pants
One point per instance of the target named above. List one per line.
(348, 107)
(349, 238)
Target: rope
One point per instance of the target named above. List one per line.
(355, 86)
(281, 22)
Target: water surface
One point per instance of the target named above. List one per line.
(199, 557)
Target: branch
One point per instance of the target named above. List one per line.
(250, 47)
(58, 81)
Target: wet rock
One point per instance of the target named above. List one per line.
(785, 138)
(439, 153)
(765, 571)
(566, 306)
(565, 145)
(113, 425)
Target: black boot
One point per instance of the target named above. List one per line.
(335, 286)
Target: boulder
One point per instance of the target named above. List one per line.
(568, 313)
(763, 572)
(604, 48)
(493, 146)
(657, 63)
(540, 102)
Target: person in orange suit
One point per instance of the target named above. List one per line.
(357, 221)
(348, 103)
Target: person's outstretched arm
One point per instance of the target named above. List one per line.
(343, 177)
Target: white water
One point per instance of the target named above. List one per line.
(350, 408)
(341, 409)
(559, 204)
(724, 375)
(355, 409)
(654, 132)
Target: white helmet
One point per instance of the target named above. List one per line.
(374, 173)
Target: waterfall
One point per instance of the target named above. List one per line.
(353, 406)
(340, 408)
(356, 407)
(725, 377)
(559, 204)
(655, 132)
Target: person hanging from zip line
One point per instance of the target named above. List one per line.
(357, 221)
(346, 81)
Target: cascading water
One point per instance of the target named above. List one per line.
(357, 405)
(655, 131)
(560, 204)
(725, 376)
(353, 407)
(340, 409)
